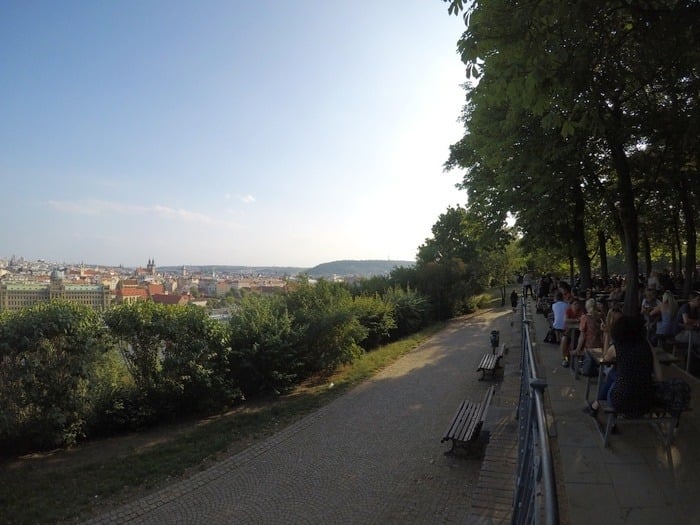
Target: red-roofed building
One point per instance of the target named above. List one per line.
(130, 295)
(155, 289)
(163, 298)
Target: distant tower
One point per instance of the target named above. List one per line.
(151, 268)
(184, 271)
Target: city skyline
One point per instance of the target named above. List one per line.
(226, 133)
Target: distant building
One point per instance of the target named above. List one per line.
(129, 294)
(177, 300)
(18, 295)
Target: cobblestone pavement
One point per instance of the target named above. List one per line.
(372, 456)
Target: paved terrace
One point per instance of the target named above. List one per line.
(635, 481)
(374, 455)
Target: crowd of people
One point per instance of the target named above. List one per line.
(627, 343)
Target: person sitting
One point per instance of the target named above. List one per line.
(628, 387)
(590, 331)
(665, 312)
(688, 325)
(565, 290)
(614, 314)
(688, 318)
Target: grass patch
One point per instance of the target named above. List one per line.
(67, 486)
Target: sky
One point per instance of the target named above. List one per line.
(226, 132)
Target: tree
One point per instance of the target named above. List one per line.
(591, 72)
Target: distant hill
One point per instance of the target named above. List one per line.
(329, 269)
(359, 268)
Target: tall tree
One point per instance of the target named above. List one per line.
(584, 69)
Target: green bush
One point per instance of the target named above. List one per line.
(411, 311)
(263, 355)
(192, 347)
(329, 331)
(377, 317)
(48, 353)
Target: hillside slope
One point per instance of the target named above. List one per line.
(360, 268)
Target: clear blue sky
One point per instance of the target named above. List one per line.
(232, 132)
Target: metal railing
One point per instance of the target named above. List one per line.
(535, 498)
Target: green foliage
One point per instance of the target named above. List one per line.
(138, 327)
(264, 351)
(176, 355)
(48, 354)
(194, 348)
(583, 112)
(377, 317)
(330, 332)
(411, 310)
(69, 373)
(448, 285)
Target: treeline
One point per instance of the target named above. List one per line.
(68, 373)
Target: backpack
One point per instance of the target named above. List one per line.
(551, 337)
(673, 395)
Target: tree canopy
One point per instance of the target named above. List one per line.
(581, 120)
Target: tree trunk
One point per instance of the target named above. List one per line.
(674, 260)
(571, 270)
(579, 246)
(691, 239)
(628, 220)
(647, 252)
(602, 248)
(679, 247)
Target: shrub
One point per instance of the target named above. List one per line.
(48, 353)
(263, 355)
(377, 317)
(411, 311)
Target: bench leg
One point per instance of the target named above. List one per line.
(468, 446)
(452, 448)
(672, 426)
(608, 429)
(588, 388)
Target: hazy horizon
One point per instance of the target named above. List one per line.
(179, 265)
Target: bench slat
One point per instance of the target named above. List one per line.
(491, 362)
(468, 420)
(461, 420)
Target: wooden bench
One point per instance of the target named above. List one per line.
(467, 423)
(491, 362)
(659, 417)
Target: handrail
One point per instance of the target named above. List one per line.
(535, 498)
